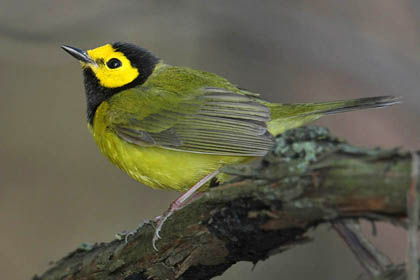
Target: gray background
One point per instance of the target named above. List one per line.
(57, 190)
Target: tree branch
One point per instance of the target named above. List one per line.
(308, 179)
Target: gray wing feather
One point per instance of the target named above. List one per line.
(217, 122)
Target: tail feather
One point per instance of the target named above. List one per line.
(362, 103)
(287, 116)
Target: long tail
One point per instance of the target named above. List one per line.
(287, 116)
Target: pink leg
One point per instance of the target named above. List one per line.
(179, 203)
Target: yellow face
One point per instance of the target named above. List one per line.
(112, 68)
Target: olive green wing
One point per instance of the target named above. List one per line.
(215, 121)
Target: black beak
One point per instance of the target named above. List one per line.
(78, 54)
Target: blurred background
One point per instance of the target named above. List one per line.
(57, 190)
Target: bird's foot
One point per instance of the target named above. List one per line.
(179, 203)
(175, 206)
(125, 235)
(159, 224)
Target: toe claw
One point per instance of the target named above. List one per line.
(154, 240)
(154, 246)
(127, 236)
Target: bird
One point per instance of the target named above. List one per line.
(174, 128)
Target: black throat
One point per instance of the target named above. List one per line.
(140, 58)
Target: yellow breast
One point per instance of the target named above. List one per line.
(154, 166)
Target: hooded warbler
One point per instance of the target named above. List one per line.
(173, 127)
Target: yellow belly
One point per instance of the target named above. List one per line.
(158, 167)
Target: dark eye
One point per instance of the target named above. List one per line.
(113, 63)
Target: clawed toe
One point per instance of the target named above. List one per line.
(127, 234)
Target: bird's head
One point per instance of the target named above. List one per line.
(111, 68)
(115, 65)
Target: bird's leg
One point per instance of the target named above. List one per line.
(179, 203)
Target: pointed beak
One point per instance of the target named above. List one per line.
(79, 54)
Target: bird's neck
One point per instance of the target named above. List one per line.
(96, 93)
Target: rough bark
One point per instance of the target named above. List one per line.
(308, 179)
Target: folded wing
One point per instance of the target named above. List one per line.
(216, 121)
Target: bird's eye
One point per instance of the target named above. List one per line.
(113, 63)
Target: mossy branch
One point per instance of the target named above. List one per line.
(310, 178)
